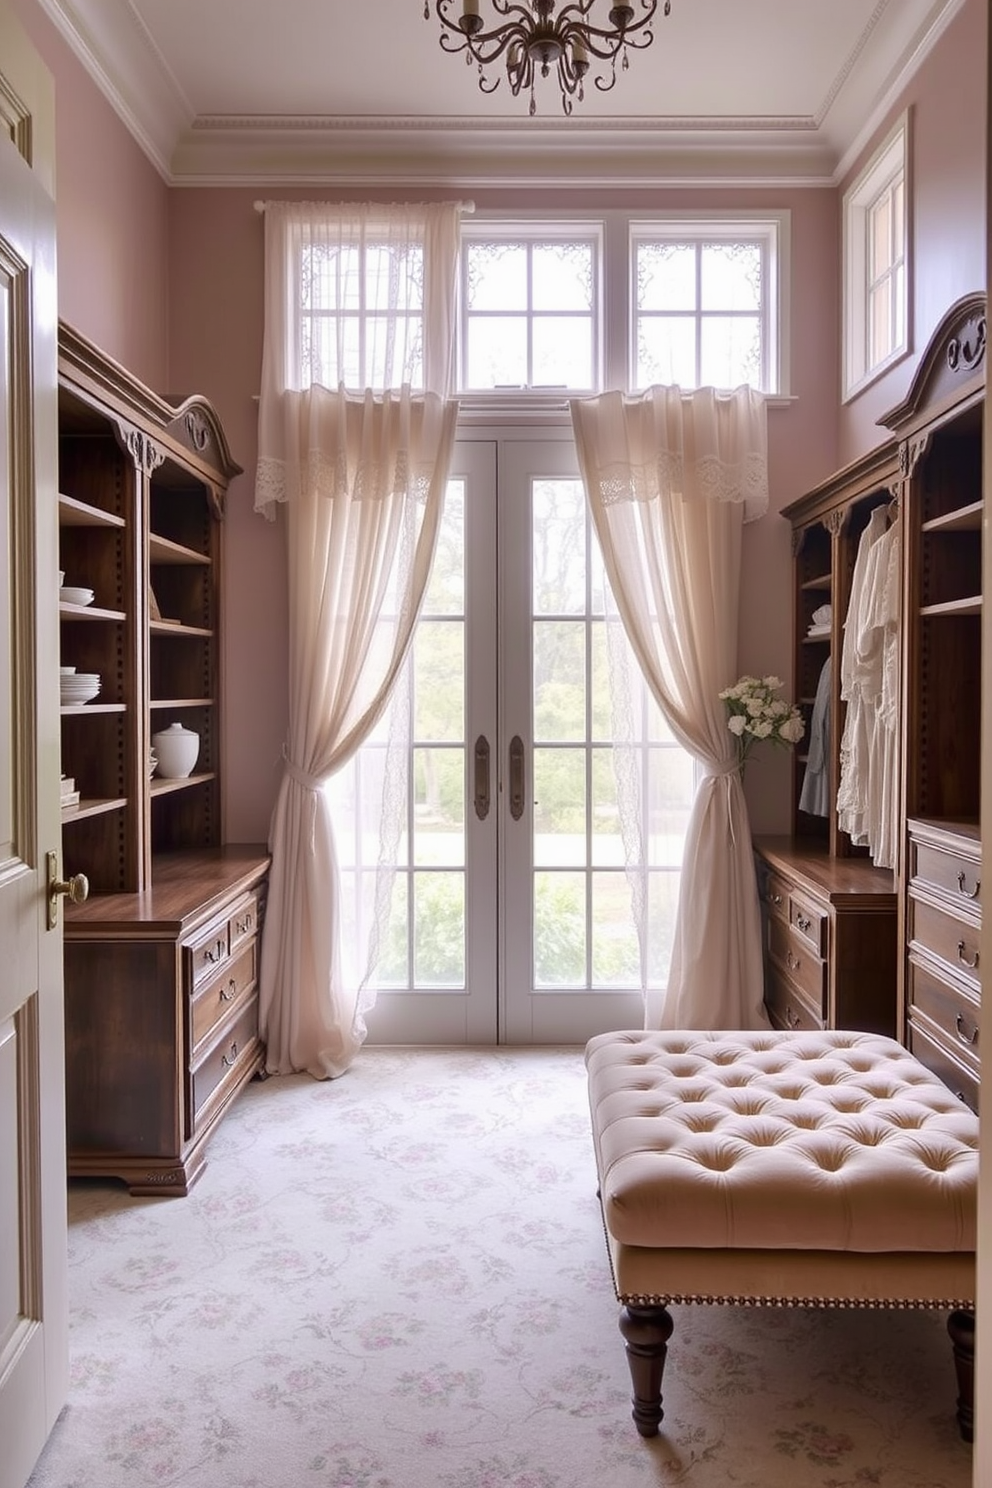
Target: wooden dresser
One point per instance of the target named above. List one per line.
(162, 1016)
(829, 938)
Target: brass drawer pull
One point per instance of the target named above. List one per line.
(793, 962)
(230, 1063)
(963, 1035)
(972, 893)
(775, 898)
(963, 958)
(793, 1019)
(215, 954)
(243, 926)
(804, 923)
(228, 993)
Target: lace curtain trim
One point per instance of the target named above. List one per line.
(713, 479)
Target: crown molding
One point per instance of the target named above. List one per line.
(465, 153)
(113, 46)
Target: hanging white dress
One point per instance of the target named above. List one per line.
(861, 684)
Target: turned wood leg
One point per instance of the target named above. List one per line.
(646, 1331)
(961, 1327)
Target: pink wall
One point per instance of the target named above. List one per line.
(112, 215)
(948, 99)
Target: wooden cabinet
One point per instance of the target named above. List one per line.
(157, 1043)
(829, 938)
(162, 1017)
(829, 913)
(939, 427)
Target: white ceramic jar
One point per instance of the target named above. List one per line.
(176, 749)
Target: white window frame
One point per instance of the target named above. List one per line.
(889, 162)
(562, 230)
(614, 346)
(771, 230)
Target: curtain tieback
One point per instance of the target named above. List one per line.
(308, 782)
(726, 773)
(311, 783)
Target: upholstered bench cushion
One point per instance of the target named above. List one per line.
(793, 1141)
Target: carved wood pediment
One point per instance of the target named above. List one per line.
(952, 366)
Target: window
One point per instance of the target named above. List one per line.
(876, 297)
(530, 308)
(576, 306)
(703, 304)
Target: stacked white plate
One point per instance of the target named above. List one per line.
(78, 687)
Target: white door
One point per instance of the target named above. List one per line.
(513, 905)
(33, 1266)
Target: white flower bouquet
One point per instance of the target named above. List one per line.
(755, 713)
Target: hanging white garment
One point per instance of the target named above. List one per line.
(866, 805)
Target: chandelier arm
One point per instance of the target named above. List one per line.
(589, 38)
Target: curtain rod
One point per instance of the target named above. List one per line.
(468, 207)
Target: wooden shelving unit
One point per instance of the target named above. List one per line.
(142, 489)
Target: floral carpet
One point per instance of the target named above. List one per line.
(399, 1279)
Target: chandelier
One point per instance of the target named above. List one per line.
(534, 37)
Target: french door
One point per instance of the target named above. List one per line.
(513, 903)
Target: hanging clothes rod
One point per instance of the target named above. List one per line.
(467, 207)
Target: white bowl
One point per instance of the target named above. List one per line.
(66, 671)
(61, 577)
(176, 749)
(82, 695)
(71, 595)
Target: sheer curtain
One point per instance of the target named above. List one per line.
(671, 477)
(356, 429)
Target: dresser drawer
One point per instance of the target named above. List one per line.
(786, 1008)
(225, 1063)
(952, 940)
(955, 874)
(809, 922)
(243, 921)
(776, 895)
(799, 963)
(946, 1066)
(952, 1011)
(217, 998)
(209, 949)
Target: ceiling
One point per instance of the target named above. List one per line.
(295, 91)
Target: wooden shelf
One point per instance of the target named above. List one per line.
(181, 703)
(88, 612)
(160, 786)
(822, 582)
(162, 550)
(964, 519)
(88, 808)
(177, 628)
(970, 605)
(73, 513)
(78, 710)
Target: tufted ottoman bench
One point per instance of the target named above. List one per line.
(824, 1169)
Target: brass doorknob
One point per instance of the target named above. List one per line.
(76, 889)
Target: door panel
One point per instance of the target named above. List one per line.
(33, 1304)
(570, 949)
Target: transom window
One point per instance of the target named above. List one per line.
(361, 314)
(700, 307)
(530, 308)
(567, 307)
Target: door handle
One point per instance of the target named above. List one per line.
(76, 888)
(482, 777)
(516, 777)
